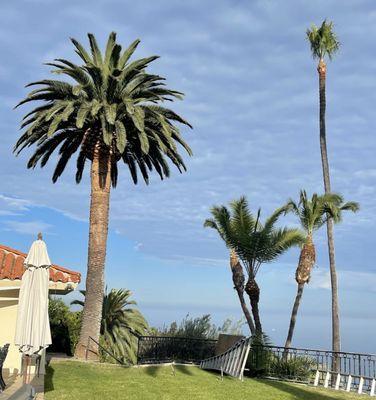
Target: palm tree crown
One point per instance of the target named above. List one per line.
(313, 213)
(323, 40)
(121, 324)
(254, 242)
(112, 106)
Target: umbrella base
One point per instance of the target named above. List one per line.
(28, 362)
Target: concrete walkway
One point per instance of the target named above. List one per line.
(16, 387)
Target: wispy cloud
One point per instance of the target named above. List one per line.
(27, 227)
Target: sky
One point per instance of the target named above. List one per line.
(251, 91)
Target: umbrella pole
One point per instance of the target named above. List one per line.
(25, 364)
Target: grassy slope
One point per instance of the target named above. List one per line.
(74, 380)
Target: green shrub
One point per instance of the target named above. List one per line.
(65, 327)
(262, 361)
(296, 368)
(260, 356)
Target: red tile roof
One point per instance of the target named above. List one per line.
(12, 267)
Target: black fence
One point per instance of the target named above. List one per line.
(160, 349)
(302, 364)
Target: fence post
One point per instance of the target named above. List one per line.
(348, 387)
(138, 347)
(373, 385)
(360, 387)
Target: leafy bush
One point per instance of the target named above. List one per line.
(262, 361)
(296, 368)
(65, 327)
(199, 328)
(260, 357)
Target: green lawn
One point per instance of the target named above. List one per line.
(75, 380)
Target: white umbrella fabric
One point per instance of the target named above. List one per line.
(33, 333)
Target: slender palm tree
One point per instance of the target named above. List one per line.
(237, 278)
(312, 214)
(109, 113)
(255, 243)
(324, 43)
(121, 323)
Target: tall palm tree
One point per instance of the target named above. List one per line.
(324, 43)
(255, 243)
(120, 323)
(111, 112)
(312, 214)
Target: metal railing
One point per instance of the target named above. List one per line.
(232, 361)
(101, 348)
(301, 364)
(160, 349)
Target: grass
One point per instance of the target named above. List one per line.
(75, 380)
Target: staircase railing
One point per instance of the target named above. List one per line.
(231, 362)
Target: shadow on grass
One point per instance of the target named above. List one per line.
(184, 369)
(48, 380)
(152, 371)
(296, 391)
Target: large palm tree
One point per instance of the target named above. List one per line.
(324, 43)
(312, 214)
(108, 112)
(254, 243)
(121, 323)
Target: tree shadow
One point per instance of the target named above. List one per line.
(48, 379)
(184, 369)
(296, 391)
(152, 370)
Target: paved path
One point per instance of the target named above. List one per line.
(15, 385)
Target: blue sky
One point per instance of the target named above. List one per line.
(251, 94)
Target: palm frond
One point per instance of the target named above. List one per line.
(115, 99)
(323, 40)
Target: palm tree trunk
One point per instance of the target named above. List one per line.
(253, 292)
(246, 312)
(238, 280)
(99, 210)
(294, 315)
(307, 260)
(336, 341)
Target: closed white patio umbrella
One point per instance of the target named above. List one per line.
(33, 333)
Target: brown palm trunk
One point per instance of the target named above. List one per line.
(99, 210)
(246, 312)
(307, 260)
(238, 279)
(294, 314)
(253, 292)
(336, 340)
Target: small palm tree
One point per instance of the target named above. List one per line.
(324, 43)
(254, 243)
(312, 214)
(109, 114)
(237, 278)
(120, 324)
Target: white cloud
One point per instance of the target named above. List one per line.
(13, 205)
(28, 227)
(356, 281)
